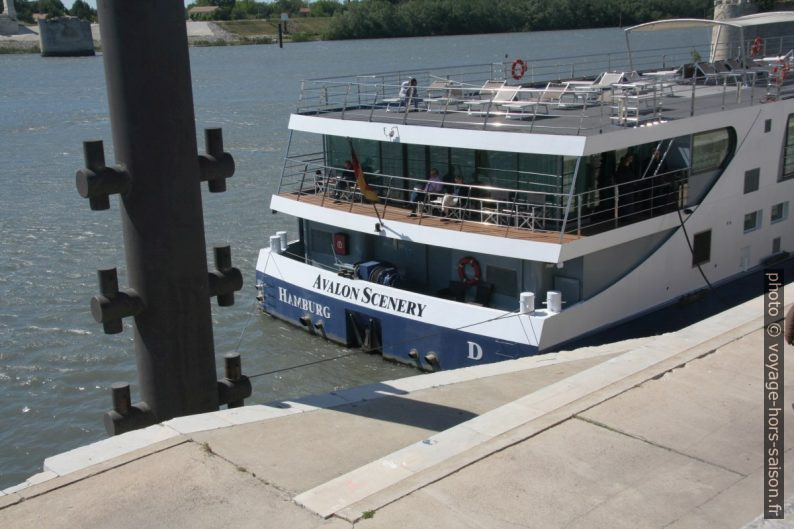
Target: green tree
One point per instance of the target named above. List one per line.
(52, 8)
(83, 11)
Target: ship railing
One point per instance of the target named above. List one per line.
(491, 209)
(468, 207)
(665, 84)
(616, 205)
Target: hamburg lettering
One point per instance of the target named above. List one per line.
(368, 296)
(308, 305)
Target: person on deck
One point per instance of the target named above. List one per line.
(409, 93)
(419, 194)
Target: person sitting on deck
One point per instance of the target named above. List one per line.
(451, 200)
(347, 180)
(433, 186)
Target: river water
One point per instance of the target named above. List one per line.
(56, 365)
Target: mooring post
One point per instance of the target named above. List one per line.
(158, 179)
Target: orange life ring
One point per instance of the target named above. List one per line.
(518, 69)
(475, 267)
(757, 46)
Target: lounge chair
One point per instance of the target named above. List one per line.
(447, 94)
(500, 96)
(707, 71)
(552, 96)
(484, 93)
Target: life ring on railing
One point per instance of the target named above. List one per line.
(475, 267)
(518, 69)
(757, 46)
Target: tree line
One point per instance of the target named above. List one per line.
(413, 18)
(250, 9)
(53, 8)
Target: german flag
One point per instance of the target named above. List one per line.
(367, 191)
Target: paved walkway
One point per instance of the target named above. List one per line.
(662, 432)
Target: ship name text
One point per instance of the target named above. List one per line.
(368, 296)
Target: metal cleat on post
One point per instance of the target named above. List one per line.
(235, 386)
(215, 166)
(125, 416)
(111, 305)
(225, 280)
(96, 181)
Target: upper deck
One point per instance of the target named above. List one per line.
(574, 96)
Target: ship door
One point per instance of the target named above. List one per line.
(364, 331)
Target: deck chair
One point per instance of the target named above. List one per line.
(550, 96)
(707, 71)
(447, 94)
(484, 93)
(501, 96)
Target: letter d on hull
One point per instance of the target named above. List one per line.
(475, 351)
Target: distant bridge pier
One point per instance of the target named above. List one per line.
(158, 177)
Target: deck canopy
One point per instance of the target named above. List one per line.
(739, 23)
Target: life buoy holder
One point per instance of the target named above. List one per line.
(475, 268)
(518, 69)
(757, 46)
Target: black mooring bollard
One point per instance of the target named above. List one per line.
(158, 177)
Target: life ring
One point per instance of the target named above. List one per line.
(757, 46)
(518, 69)
(475, 267)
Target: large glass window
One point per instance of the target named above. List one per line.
(788, 151)
(711, 149)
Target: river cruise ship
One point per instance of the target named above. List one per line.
(455, 216)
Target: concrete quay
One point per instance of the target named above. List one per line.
(663, 432)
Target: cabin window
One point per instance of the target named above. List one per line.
(505, 281)
(788, 151)
(463, 164)
(701, 248)
(779, 212)
(752, 221)
(768, 125)
(776, 245)
(751, 179)
(710, 149)
(321, 242)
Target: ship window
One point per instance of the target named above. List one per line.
(776, 245)
(752, 221)
(779, 212)
(321, 242)
(463, 163)
(504, 280)
(751, 178)
(710, 149)
(768, 125)
(788, 151)
(701, 248)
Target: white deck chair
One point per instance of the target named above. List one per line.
(447, 94)
(550, 96)
(485, 93)
(501, 96)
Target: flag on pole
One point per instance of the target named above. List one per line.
(367, 191)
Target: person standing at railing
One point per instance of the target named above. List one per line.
(625, 174)
(409, 93)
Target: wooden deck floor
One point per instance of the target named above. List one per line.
(396, 213)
